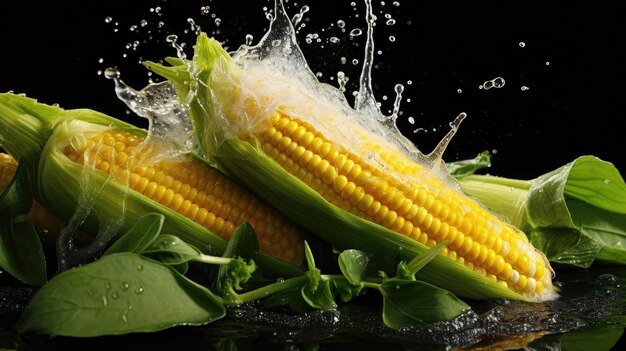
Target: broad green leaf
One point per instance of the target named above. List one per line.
(21, 254)
(118, 294)
(599, 338)
(140, 236)
(353, 265)
(408, 303)
(464, 168)
(171, 250)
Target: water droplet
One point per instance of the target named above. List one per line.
(341, 24)
(276, 42)
(158, 10)
(390, 22)
(125, 285)
(522, 44)
(107, 285)
(459, 91)
(497, 83)
(343, 60)
(547, 63)
(355, 32)
(411, 120)
(355, 61)
(392, 38)
(160, 24)
(204, 10)
(108, 19)
(396, 3)
(133, 27)
(334, 40)
(139, 291)
(218, 21)
(494, 151)
(606, 181)
(139, 267)
(143, 23)
(114, 296)
(105, 302)
(409, 82)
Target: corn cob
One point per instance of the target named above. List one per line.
(47, 225)
(200, 204)
(398, 208)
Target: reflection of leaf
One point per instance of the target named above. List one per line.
(118, 294)
(409, 303)
(21, 254)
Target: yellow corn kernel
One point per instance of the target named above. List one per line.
(195, 190)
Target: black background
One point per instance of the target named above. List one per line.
(574, 104)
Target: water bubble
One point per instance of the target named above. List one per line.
(139, 267)
(204, 10)
(524, 88)
(385, 97)
(276, 42)
(343, 60)
(547, 63)
(494, 151)
(133, 28)
(218, 21)
(108, 19)
(390, 22)
(353, 4)
(158, 10)
(392, 38)
(143, 23)
(409, 82)
(459, 91)
(100, 60)
(355, 32)
(411, 120)
(497, 83)
(297, 18)
(355, 62)
(396, 3)
(341, 24)
(522, 44)
(334, 40)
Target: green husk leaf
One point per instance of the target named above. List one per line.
(250, 167)
(118, 294)
(574, 214)
(21, 253)
(463, 168)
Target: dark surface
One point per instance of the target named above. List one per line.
(574, 105)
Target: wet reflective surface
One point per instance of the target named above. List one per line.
(589, 315)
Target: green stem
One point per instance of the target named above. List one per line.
(500, 194)
(267, 290)
(213, 259)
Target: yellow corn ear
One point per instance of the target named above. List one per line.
(190, 188)
(354, 189)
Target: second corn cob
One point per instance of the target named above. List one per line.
(200, 204)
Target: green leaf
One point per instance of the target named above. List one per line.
(140, 236)
(565, 246)
(171, 250)
(464, 168)
(317, 290)
(353, 265)
(118, 294)
(21, 254)
(409, 303)
(347, 291)
(598, 338)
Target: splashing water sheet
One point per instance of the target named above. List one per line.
(592, 303)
